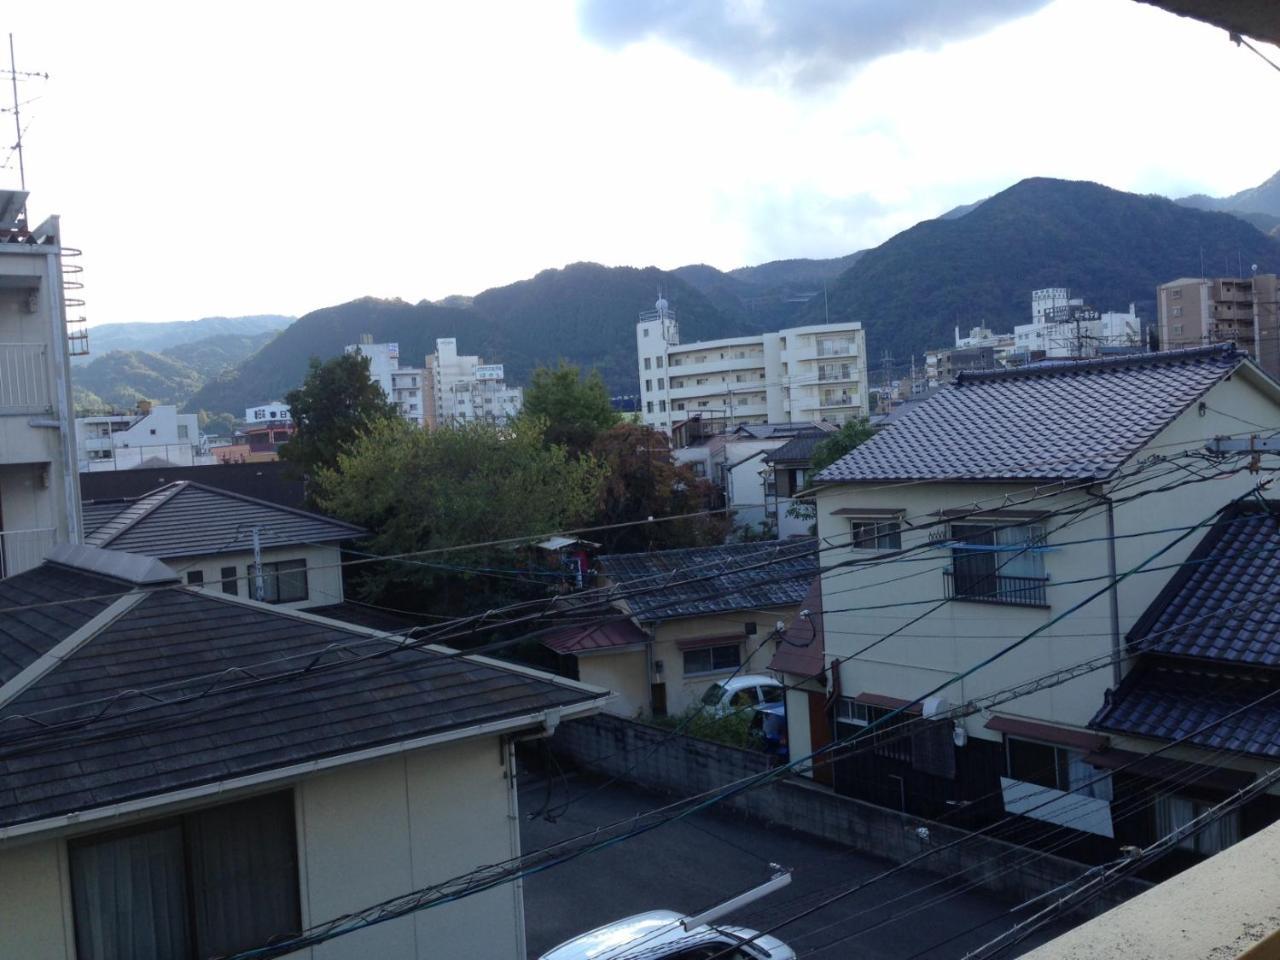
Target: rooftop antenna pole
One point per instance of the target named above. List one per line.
(826, 307)
(17, 121)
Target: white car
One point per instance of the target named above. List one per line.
(750, 691)
(661, 935)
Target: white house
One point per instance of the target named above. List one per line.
(985, 513)
(153, 436)
(267, 413)
(256, 772)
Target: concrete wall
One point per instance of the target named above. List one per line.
(324, 576)
(659, 760)
(365, 833)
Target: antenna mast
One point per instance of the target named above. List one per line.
(17, 120)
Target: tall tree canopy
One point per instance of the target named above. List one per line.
(852, 434)
(336, 404)
(575, 408)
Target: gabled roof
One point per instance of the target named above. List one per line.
(592, 637)
(201, 643)
(735, 576)
(799, 449)
(1056, 420)
(188, 519)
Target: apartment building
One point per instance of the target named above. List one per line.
(1194, 311)
(403, 386)
(273, 412)
(810, 373)
(39, 485)
(462, 389)
(153, 436)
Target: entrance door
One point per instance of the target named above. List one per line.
(820, 735)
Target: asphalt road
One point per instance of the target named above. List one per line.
(699, 861)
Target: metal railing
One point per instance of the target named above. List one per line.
(22, 550)
(24, 378)
(986, 587)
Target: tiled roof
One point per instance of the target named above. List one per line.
(1167, 704)
(802, 651)
(1045, 421)
(799, 449)
(186, 519)
(736, 576)
(180, 637)
(610, 635)
(1218, 606)
(35, 615)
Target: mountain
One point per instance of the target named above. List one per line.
(155, 337)
(770, 294)
(1262, 199)
(584, 313)
(1111, 247)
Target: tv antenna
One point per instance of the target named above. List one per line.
(14, 75)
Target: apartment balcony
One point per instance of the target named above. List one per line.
(24, 379)
(22, 550)
(981, 586)
(98, 444)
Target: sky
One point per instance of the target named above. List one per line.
(239, 158)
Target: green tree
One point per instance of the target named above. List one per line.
(574, 408)
(335, 405)
(852, 434)
(417, 490)
(643, 481)
(218, 424)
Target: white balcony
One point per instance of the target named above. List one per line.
(24, 379)
(22, 550)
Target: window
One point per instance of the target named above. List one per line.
(751, 627)
(1176, 311)
(658, 363)
(661, 383)
(284, 581)
(1176, 293)
(648, 406)
(646, 333)
(195, 577)
(884, 741)
(772, 694)
(228, 577)
(648, 385)
(875, 534)
(699, 468)
(183, 433)
(646, 359)
(1173, 812)
(709, 659)
(209, 883)
(1057, 767)
(662, 406)
(680, 406)
(998, 563)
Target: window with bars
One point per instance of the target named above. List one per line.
(886, 740)
(998, 563)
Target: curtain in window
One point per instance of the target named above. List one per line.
(1079, 775)
(974, 569)
(129, 895)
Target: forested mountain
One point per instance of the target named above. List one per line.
(1264, 198)
(1110, 247)
(155, 337)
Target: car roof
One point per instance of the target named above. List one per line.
(750, 680)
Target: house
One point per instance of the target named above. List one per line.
(154, 435)
(207, 535)
(1015, 504)
(685, 619)
(255, 444)
(788, 469)
(225, 773)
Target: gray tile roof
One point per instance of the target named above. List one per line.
(179, 637)
(186, 519)
(1046, 421)
(35, 615)
(736, 576)
(1165, 703)
(1234, 569)
(799, 449)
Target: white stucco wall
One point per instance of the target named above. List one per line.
(365, 833)
(324, 576)
(684, 691)
(626, 674)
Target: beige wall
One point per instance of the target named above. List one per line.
(324, 576)
(686, 691)
(625, 673)
(365, 833)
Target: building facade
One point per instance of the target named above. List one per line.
(403, 386)
(462, 389)
(39, 488)
(1195, 311)
(274, 412)
(153, 436)
(810, 373)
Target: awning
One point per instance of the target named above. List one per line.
(698, 643)
(876, 512)
(1061, 736)
(595, 637)
(888, 703)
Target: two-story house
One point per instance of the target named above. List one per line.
(1051, 502)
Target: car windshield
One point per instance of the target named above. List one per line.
(771, 694)
(713, 695)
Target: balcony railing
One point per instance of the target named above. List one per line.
(22, 550)
(985, 587)
(24, 378)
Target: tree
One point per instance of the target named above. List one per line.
(643, 481)
(854, 433)
(575, 409)
(417, 490)
(336, 404)
(217, 424)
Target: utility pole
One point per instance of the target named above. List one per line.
(259, 583)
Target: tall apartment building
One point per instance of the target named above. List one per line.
(403, 386)
(811, 373)
(462, 389)
(154, 436)
(1194, 311)
(39, 485)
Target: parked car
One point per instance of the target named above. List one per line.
(754, 691)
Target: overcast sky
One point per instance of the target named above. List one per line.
(235, 158)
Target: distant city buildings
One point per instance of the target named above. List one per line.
(812, 373)
(402, 385)
(266, 413)
(153, 436)
(462, 389)
(1195, 311)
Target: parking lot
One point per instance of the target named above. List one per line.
(694, 863)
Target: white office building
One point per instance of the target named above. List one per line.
(462, 389)
(154, 436)
(811, 373)
(403, 386)
(267, 413)
(1062, 326)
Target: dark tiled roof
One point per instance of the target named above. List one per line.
(1167, 704)
(98, 512)
(1046, 421)
(802, 651)
(736, 576)
(610, 635)
(46, 618)
(185, 519)
(180, 637)
(1234, 569)
(798, 449)
(362, 615)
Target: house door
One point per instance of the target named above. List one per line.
(819, 734)
(658, 699)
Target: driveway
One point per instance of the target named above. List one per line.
(706, 858)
